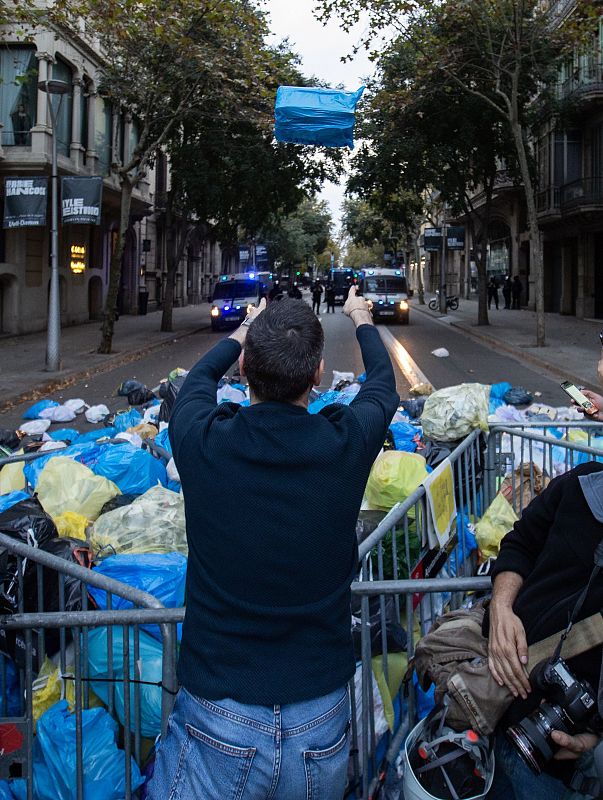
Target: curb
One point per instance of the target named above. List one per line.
(501, 347)
(69, 378)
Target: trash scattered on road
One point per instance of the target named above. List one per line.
(97, 413)
(440, 352)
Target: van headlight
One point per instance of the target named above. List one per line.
(403, 305)
(215, 311)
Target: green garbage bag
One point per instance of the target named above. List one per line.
(452, 413)
(494, 525)
(394, 477)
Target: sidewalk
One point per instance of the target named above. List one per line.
(572, 345)
(22, 374)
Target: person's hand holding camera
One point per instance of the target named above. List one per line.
(572, 747)
(357, 309)
(241, 332)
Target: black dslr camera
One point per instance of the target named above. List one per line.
(569, 707)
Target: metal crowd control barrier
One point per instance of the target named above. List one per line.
(382, 592)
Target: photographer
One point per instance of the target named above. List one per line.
(545, 564)
(272, 495)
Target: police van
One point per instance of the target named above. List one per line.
(232, 297)
(386, 291)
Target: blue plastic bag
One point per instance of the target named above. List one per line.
(14, 701)
(126, 419)
(33, 412)
(311, 115)
(161, 574)
(163, 440)
(497, 393)
(330, 398)
(55, 756)
(65, 435)
(94, 436)
(15, 789)
(150, 661)
(11, 499)
(131, 469)
(406, 436)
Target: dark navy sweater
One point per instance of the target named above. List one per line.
(272, 494)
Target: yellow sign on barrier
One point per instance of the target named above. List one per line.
(441, 504)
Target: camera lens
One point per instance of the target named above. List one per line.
(532, 737)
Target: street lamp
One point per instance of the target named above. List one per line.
(53, 340)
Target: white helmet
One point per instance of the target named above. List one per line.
(459, 766)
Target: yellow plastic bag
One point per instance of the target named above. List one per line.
(153, 523)
(12, 477)
(71, 524)
(394, 477)
(66, 485)
(452, 413)
(50, 687)
(494, 525)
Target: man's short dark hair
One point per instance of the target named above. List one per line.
(283, 350)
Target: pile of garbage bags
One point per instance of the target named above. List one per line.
(104, 493)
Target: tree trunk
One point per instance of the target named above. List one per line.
(115, 269)
(536, 260)
(174, 257)
(419, 272)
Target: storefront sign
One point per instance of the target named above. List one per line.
(433, 239)
(81, 200)
(455, 238)
(77, 260)
(25, 202)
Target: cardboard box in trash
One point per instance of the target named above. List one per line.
(520, 488)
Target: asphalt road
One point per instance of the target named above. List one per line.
(469, 361)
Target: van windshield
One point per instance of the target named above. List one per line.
(386, 285)
(236, 290)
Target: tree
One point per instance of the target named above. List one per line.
(434, 139)
(300, 237)
(504, 53)
(164, 60)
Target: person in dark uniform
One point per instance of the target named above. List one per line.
(492, 293)
(330, 297)
(276, 293)
(316, 297)
(507, 291)
(294, 292)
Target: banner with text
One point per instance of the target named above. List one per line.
(81, 201)
(441, 504)
(25, 202)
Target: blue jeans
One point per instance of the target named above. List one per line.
(224, 750)
(513, 780)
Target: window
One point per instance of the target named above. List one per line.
(568, 156)
(18, 93)
(84, 100)
(63, 106)
(104, 126)
(236, 290)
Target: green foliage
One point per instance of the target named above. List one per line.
(300, 237)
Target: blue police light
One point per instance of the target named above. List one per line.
(380, 302)
(371, 272)
(398, 272)
(224, 278)
(252, 274)
(391, 302)
(226, 308)
(238, 308)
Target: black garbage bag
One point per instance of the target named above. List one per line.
(127, 387)
(414, 406)
(139, 396)
(9, 439)
(173, 387)
(396, 635)
(518, 396)
(26, 522)
(467, 475)
(436, 452)
(118, 501)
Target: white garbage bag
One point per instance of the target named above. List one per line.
(97, 413)
(441, 352)
(58, 414)
(36, 426)
(452, 413)
(78, 405)
(172, 471)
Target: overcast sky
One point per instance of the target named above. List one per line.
(321, 48)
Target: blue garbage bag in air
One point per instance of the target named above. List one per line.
(131, 469)
(161, 574)
(33, 412)
(150, 663)
(311, 115)
(54, 755)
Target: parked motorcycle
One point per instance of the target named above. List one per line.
(452, 302)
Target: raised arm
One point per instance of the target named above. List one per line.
(377, 401)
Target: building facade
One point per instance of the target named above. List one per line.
(91, 137)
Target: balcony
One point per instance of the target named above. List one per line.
(548, 200)
(582, 195)
(586, 83)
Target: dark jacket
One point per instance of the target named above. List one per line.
(272, 495)
(552, 548)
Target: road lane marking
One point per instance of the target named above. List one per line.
(408, 366)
